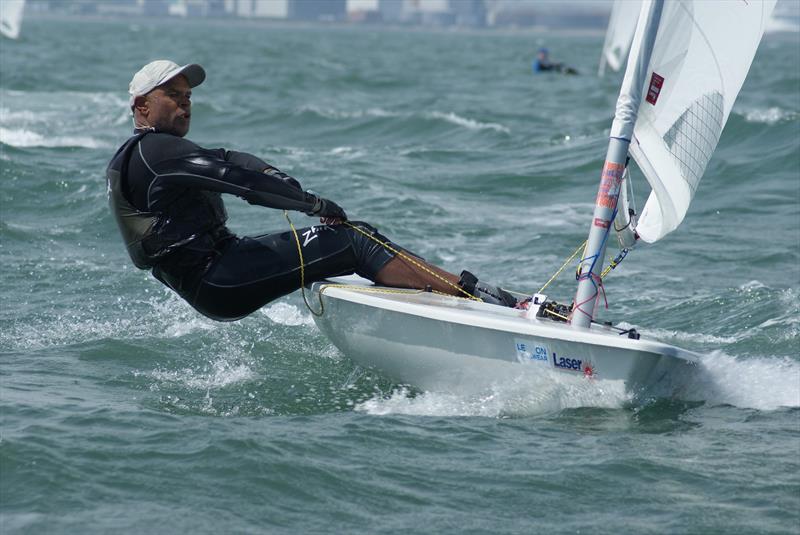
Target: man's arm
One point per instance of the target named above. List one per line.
(179, 164)
(243, 159)
(254, 163)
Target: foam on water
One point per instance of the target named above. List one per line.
(218, 373)
(469, 124)
(168, 317)
(527, 396)
(764, 383)
(761, 383)
(287, 314)
(26, 138)
(302, 156)
(449, 117)
(59, 118)
(562, 215)
(355, 114)
(683, 336)
(347, 153)
(769, 116)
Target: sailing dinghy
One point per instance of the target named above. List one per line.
(11, 12)
(619, 34)
(687, 63)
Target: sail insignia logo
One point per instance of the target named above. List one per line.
(656, 83)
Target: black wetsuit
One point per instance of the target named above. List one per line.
(543, 66)
(165, 194)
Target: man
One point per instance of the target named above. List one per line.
(542, 63)
(165, 193)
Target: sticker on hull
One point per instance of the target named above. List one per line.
(571, 364)
(528, 351)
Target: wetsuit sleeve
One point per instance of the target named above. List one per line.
(179, 164)
(243, 159)
(254, 163)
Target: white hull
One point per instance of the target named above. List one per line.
(441, 343)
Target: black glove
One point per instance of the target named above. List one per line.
(326, 208)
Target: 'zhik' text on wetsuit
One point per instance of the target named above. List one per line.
(165, 192)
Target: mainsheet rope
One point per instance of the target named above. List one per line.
(613, 264)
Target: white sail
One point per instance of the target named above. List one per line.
(702, 53)
(11, 17)
(621, 25)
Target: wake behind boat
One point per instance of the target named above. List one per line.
(687, 63)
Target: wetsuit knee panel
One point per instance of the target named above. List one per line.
(371, 253)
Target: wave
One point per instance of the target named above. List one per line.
(303, 155)
(286, 314)
(25, 138)
(357, 114)
(166, 317)
(347, 153)
(470, 124)
(525, 397)
(448, 117)
(210, 376)
(58, 119)
(769, 116)
(763, 383)
(682, 336)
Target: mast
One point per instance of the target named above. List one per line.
(630, 97)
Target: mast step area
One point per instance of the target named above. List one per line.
(554, 311)
(560, 313)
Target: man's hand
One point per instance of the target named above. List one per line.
(328, 211)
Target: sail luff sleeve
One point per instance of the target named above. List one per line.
(630, 95)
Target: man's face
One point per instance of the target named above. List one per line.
(169, 107)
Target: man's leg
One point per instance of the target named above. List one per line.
(402, 273)
(406, 270)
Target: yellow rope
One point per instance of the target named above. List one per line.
(556, 314)
(402, 255)
(407, 258)
(410, 260)
(546, 284)
(303, 272)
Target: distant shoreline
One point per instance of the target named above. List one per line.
(306, 25)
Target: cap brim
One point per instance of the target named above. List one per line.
(194, 73)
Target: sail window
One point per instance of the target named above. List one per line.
(694, 136)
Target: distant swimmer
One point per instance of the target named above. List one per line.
(542, 64)
(165, 193)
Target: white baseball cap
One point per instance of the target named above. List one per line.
(160, 72)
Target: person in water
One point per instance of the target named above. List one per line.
(542, 64)
(165, 193)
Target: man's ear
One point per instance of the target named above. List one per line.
(140, 104)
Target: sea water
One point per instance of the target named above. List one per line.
(125, 411)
